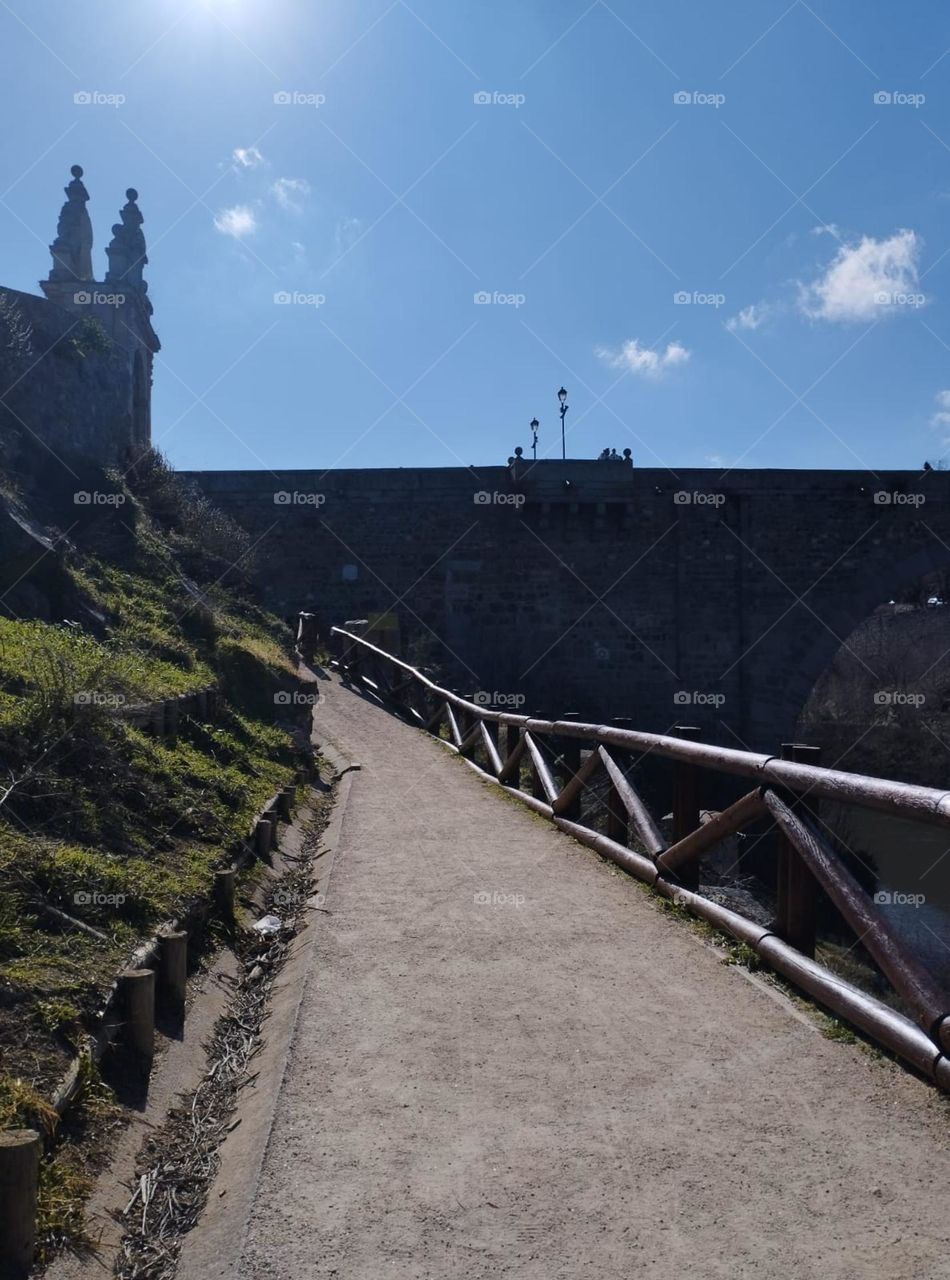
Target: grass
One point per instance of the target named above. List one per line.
(98, 821)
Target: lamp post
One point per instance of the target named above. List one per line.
(534, 438)
(562, 396)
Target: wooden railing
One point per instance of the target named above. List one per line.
(563, 758)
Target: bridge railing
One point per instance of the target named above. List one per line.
(551, 765)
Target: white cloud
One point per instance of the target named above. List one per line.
(290, 193)
(751, 317)
(942, 417)
(643, 361)
(827, 229)
(248, 157)
(346, 233)
(238, 221)
(866, 280)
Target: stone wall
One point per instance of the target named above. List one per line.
(68, 387)
(591, 586)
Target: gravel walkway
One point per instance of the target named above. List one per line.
(510, 1062)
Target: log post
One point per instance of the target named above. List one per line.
(570, 754)
(224, 891)
(263, 837)
(173, 966)
(686, 802)
(796, 892)
(20, 1151)
(137, 991)
(285, 803)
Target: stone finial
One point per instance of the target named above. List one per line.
(72, 248)
(126, 252)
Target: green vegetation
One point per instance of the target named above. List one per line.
(105, 831)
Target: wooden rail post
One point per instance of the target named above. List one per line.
(796, 892)
(20, 1151)
(537, 787)
(462, 718)
(570, 753)
(618, 827)
(686, 802)
(492, 730)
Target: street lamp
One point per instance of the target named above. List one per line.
(562, 396)
(534, 437)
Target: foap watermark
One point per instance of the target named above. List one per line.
(495, 98)
(695, 98)
(95, 698)
(495, 899)
(495, 698)
(685, 298)
(888, 898)
(898, 698)
(698, 698)
(95, 299)
(697, 498)
(296, 699)
(495, 499)
(96, 98)
(294, 98)
(485, 299)
(296, 299)
(896, 98)
(889, 298)
(93, 898)
(85, 498)
(285, 498)
(885, 498)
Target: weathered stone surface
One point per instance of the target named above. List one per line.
(614, 611)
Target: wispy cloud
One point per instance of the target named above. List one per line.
(346, 233)
(866, 281)
(751, 317)
(290, 193)
(238, 221)
(644, 361)
(248, 157)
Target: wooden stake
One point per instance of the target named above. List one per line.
(137, 991)
(20, 1151)
(224, 891)
(173, 965)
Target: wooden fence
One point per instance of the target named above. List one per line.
(563, 758)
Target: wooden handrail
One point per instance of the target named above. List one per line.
(672, 869)
(903, 799)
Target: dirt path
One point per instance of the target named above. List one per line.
(510, 1062)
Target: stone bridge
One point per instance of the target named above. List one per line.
(705, 596)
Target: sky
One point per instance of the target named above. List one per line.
(385, 232)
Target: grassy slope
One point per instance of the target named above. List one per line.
(97, 819)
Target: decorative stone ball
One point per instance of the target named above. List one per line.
(76, 171)
(132, 194)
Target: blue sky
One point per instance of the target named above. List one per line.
(735, 154)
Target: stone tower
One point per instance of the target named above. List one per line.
(120, 303)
